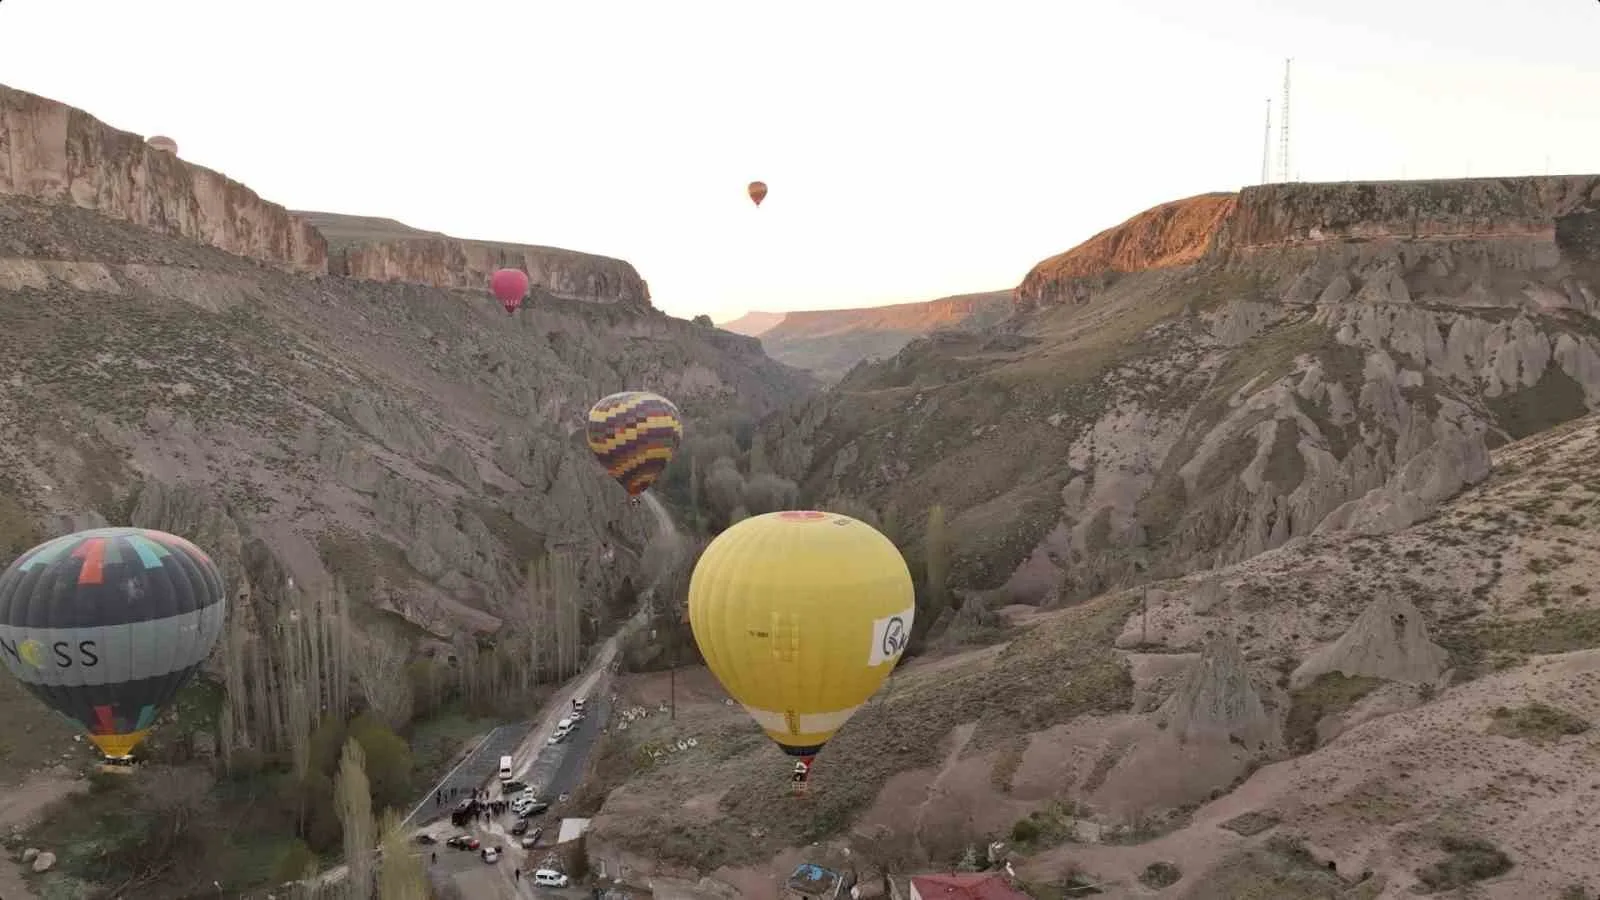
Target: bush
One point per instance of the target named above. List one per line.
(1024, 831)
(1469, 860)
(1159, 875)
(294, 862)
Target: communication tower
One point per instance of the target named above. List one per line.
(1283, 126)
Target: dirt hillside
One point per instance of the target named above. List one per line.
(1221, 375)
(1063, 740)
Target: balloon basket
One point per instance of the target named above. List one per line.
(112, 767)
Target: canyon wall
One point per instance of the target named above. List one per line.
(449, 263)
(1277, 216)
(52, 152)
(57, 154)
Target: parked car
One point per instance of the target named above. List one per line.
(520, 828)
(529, 808)
(463, 842)
(550, 878)
(491, 854)
(531, 838)
(426, 838)
(507, 788)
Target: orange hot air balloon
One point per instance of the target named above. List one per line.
(758, 191)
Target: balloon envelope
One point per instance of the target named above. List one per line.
(509, 287)
(634, 435)
(161, 142)
(758, 191)
(106, 625)
(801, 616)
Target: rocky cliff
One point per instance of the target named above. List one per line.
(385, 250)
(829, 342)
(1316, 357)
(412, 442)
(1172, 234)
(52, 152)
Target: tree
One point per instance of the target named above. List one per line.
(890, 852)
(758, 458)
(401, 875)
(724, 489)
(766, 492)
(386, 760)
(702, 319)
(575, 858)
(380, 671)
(354, 802)
(937, 563)
(296, 858)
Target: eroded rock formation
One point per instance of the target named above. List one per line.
(52, 152)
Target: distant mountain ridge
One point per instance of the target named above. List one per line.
(830, 342)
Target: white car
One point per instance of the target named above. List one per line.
(550, 878)
(491, 854)
(560, 735)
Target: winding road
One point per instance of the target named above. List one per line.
(551, 770)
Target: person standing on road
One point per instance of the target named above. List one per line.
(518, 873)
(433, 857)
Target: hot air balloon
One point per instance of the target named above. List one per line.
(161, 142)
(106, 625)
(634, 434)
(758, 191)
(801, 616)
(509, 287)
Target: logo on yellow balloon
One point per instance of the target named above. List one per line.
(31, 652)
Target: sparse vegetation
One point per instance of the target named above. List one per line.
(1329, 694)
(1536, 722)
(1159, 875)
(1467, 860)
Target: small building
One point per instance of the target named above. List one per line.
(571, 830)
(812, 882)
(965, 886)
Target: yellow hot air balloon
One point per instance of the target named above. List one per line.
(801, 615)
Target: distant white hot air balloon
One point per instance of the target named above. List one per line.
(161, 142)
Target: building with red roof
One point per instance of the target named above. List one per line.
(975, 886)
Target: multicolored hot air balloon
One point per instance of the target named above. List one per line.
(758, 191)
(634, 434)
(801, 615)
(106, 625)
(509, 287)
(161, 142)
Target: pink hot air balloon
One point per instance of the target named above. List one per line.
(509, 287)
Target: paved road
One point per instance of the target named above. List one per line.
(480, 765)
(552, 770)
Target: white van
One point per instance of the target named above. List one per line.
(550, 878)
(505, 768)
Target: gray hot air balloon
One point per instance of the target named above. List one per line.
(106, 625)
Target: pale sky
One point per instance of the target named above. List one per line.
(913, 149)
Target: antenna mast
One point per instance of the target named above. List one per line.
(1266, 146)
(1283, 126)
